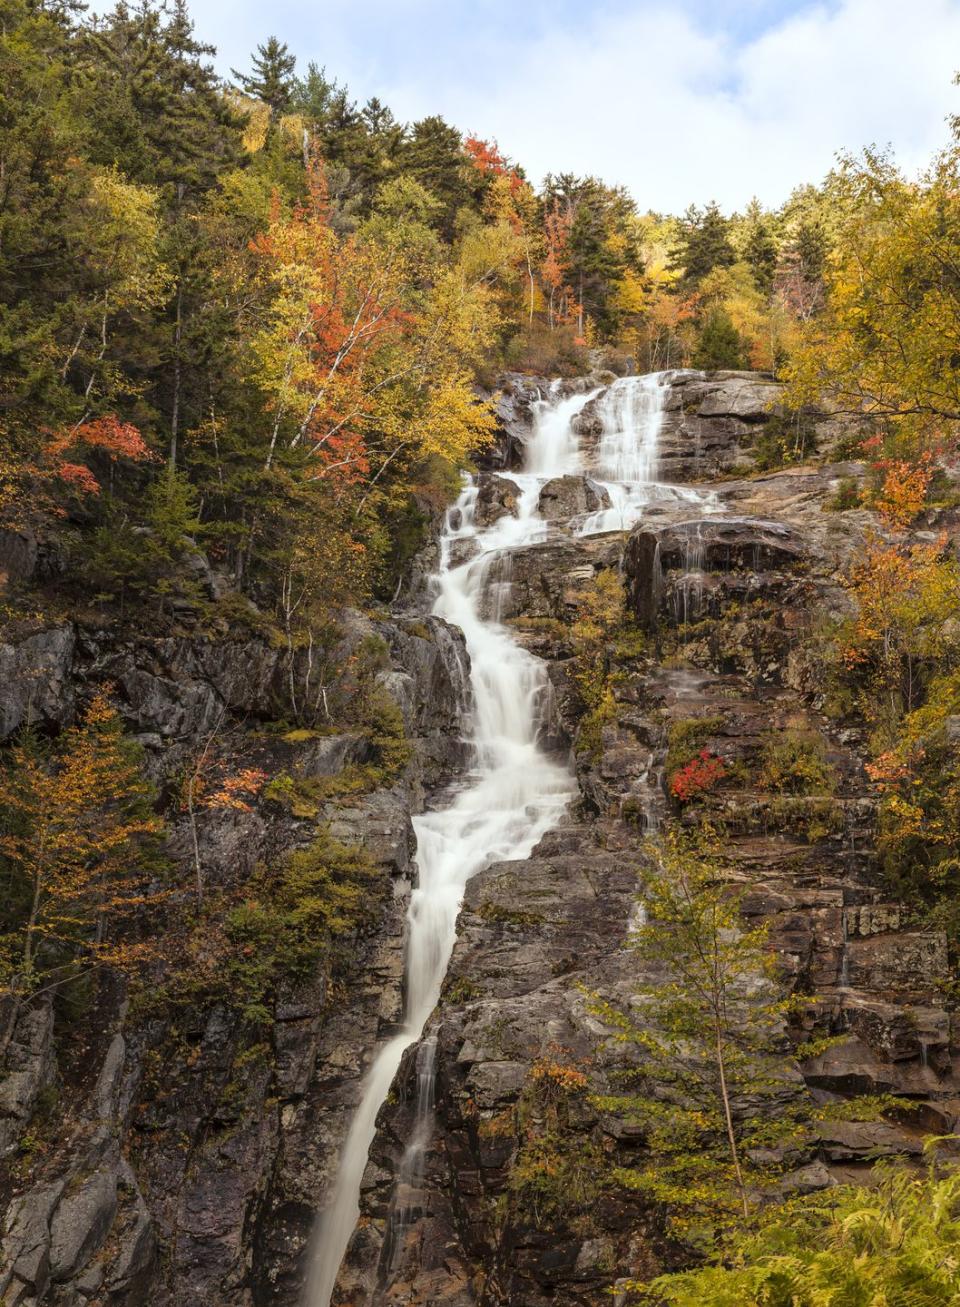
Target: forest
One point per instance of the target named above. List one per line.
(252, 334)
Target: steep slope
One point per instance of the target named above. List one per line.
(732, 581)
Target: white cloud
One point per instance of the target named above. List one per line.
(676, 114)
(679, 102)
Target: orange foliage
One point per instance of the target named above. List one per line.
(561, 306)
(904, 489)
(108, 434)
(72, 825)
(889, 769)
(337, 304)
(230, 794)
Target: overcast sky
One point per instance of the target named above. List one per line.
(683, 101)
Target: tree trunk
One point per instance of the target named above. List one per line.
(728, 1118)
(175, 412)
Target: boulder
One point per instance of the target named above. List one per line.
(81, 1222)
(567, 497)
(30, 1067)
(497, 496)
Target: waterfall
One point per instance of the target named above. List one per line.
(513, 795)
(631, 413)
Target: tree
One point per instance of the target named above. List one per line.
(432, 154)
(704, 244)
(760, 247)
(78, 823)
(893, 1242)
(719, 344)
(271, 77)
(705, 1042)
(886, 342)
(905, 599)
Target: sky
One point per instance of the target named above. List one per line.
(681, 102)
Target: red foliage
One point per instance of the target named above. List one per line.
(698, 776)
(485, 156)
(116, 438)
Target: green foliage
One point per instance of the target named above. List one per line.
(784, 441)
(703, 1044)
(271, 75)
(719, 344)
(897, 1242)
(704, 244)
(297, 920)
(795, 762)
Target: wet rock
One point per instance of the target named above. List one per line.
(567, 497)
(497, 496)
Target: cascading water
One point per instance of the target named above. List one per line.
(631, 412)
(513, 796)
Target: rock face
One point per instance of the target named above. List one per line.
(729, 600)
(198, 1149)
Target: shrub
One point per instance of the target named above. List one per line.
(784, 441)
(795, 762)
(699, 776)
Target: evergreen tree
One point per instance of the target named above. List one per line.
(718, 344)
(760, 248)
(597, 247)
(432, 154)
(811, 249)
(155, 109)
(271, 77)
(704, 244)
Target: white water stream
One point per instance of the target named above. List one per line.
(515, 793)
(632, 412)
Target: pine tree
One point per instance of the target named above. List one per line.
(760, 249)
(433, 155)
(704, 244)
(719, 344)
(271, 79)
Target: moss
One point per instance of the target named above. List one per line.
(687, 737)
(497, 913)
(811, 818)
(462, 990)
